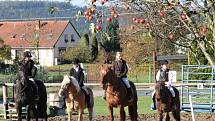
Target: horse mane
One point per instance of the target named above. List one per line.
(71, 79)
(162, 90)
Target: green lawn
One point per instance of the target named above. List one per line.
(144, 103)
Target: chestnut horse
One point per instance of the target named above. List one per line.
(75, 98)
(164, 101)
(116, 95)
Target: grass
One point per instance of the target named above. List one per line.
(144, 103)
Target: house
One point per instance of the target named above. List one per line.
(46, 39)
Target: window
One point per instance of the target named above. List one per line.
(72, 38)
(61, 51)
(66, 38)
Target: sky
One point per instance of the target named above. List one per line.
(80, 3)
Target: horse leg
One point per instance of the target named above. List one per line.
(121, 113)
(19, 111)
(28, 115)
(111, 113)
(176, 115)
(160, 116)
(35, 111)
(167, 117)
(90, 110)
(132, 109)
(80, 114)
(69, 111)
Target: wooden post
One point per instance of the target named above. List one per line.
(5, 104)
(154, 65)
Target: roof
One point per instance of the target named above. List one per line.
(172, 57)
(18, 34)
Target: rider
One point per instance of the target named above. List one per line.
(163, 74)
(30, 70)
(77, 72)
(120, 68)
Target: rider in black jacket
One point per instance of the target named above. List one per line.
(30, 71)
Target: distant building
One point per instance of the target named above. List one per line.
(53, 37)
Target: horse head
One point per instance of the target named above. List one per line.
(22, 77)
(69, 84)
(161, 92)
(107, 75)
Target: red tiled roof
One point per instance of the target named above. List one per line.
(23, 33)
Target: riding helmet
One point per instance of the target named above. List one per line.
(76, 61)
(164, 62)
(27, 54)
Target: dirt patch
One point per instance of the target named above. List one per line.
(145, 117)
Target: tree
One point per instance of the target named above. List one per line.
(85, 40)
(110, 39)
(94, 47)
(5, 51)
(190, 27)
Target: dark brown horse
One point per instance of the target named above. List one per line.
(164, 101)
(24, 97)
(116, 95)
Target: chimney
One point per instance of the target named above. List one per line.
(38, 25)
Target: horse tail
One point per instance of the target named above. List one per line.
(42, 105)
(132, 109)
(91, 109)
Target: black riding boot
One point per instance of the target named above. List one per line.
(154, 103)
(130, 95)
(35, 90)
(104, 97)
(87, 97)
(88, 100)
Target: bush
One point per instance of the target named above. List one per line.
(78, 52)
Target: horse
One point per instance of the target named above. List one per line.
(24, 97)
(75, 98)
(164, 101)
(116, 95)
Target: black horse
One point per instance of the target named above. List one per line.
(24, 96)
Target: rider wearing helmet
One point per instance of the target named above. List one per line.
(30, 70)
(163, 75)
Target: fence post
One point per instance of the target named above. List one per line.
(5, 103)
(191, 108)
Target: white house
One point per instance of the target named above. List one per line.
(51, 37)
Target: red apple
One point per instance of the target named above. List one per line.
(171, 35)
(142, 21)
(134, 19)
(93, 1)
(98, 27)
(115, 15)
(137, 21)
(90, 18)
(203, 30)
(108, 19)
(132, 27)
(126, 7)
(102, 2)
(183, 16)
(161, 13)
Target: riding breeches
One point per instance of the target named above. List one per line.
(126, 82)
